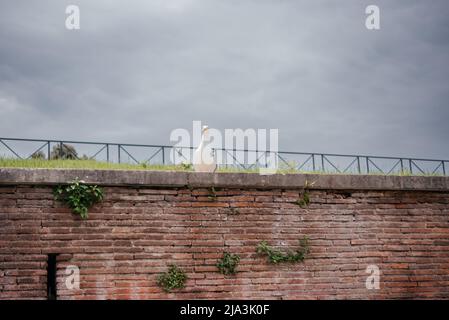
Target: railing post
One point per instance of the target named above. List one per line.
(410, 165)
(367, 165)
(48, 150)
(358, 165)
(266, 159)
(402, 166)
(322, 162)
(60, 149)
(118, 152)
(163, 155)
(107, 152)
(257, 157)
(313, 162)
(444, 169)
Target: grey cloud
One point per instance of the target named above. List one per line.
(137, 70)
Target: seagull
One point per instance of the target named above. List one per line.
(203, 160)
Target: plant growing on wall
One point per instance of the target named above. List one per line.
(212, 194)
(304, 199)
(174, 278)
(276, 256)
(228, 263)
(79, 196)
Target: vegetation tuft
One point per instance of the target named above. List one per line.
(276, 256)
(228, 263)
(174, 278)
(79, 196)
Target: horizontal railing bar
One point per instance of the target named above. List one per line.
(360, 156)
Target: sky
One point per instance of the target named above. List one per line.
(136, 70)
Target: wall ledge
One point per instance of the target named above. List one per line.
(18, 176)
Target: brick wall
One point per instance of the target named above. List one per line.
(137, 231)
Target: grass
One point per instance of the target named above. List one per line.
(81, 164)
(101, 165)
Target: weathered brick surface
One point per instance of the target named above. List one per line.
(136, 232)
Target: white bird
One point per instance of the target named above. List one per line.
(203, 160)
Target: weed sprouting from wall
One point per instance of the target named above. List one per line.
(276, 256)
(79, 196)
(212, 194)
(228, 263)
(174, 278)
(304, 196)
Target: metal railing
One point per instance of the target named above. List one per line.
(236, 158)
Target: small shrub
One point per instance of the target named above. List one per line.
(63, 151)
(276, 256)
(38, 155)
(79, 196)
(174, 278)
(228, 263)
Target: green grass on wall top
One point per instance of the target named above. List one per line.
(101, 165)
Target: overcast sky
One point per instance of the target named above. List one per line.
(136, 70)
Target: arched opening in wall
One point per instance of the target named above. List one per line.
(51, 276)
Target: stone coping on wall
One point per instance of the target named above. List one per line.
(13, 176)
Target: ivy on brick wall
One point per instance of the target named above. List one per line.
(79, 196)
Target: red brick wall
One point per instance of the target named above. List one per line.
(135, 233)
